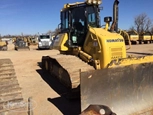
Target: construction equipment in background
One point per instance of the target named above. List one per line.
(3, 45)
(14, 39)
(21, 43)
(32, 41)
(126, 37)
(94, 60)
(133, 36)
(136, 38)
(145, 37)
(11, 100)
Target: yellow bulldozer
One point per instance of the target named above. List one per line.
(136, 38)
(94, 63)
(133, 36)
(32, 40)
(3, 45)
(146, 37)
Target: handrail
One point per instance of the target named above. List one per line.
(125, 33)
(96, 37)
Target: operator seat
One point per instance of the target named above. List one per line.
(79, 29)
(78, 26)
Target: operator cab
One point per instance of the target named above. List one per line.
(75, 20)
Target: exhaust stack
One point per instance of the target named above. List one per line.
(114, 26)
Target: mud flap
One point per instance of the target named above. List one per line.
(125, 90)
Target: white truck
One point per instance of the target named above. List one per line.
(44, 42)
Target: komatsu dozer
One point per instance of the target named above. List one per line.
(21, 43)
(93, 61)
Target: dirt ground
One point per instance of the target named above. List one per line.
(35, 83)
(46, 92)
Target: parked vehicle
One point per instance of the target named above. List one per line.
(44, 42)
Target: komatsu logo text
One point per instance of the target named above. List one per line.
(115, 40)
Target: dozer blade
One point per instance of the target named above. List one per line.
(125, 90)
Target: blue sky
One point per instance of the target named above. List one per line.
(33, 16)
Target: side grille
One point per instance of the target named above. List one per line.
(116, 53)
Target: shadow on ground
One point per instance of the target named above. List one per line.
(42, 49)
(140, 53)
(67, 107)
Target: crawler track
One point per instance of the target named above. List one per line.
(10, 91)
(66, 68)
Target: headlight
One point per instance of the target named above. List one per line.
(88, 1)
(99, 1)
(94, 1)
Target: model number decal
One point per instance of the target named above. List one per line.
(115, 40)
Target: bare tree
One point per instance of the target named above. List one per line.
(53, 33)
(132, 28)
(142, 23)
(151, 29)
(49, 32)
(56, 31)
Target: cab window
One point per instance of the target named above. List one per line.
(91, 15)
(64, 20)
